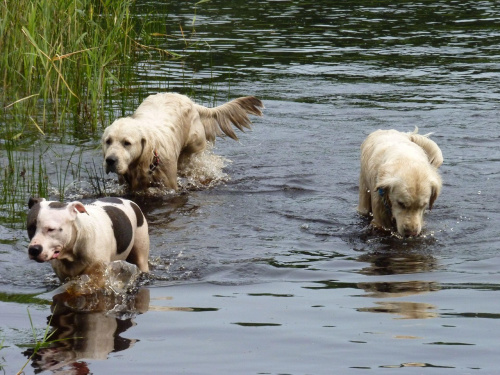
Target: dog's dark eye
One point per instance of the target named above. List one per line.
(50, 230)
(108, 141)
(402, 205)
(127, 143)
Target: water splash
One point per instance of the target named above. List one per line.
(115, 289)
(118, 277)
(203, 170)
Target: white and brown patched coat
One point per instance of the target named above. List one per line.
(75, 238)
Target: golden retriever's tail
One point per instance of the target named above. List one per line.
(429, 146)
(218, 120)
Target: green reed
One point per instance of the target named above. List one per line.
(60, 61)
(63, 66)
(62, 57)
(22, 174)
(38, 342)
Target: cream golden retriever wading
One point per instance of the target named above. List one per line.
(399, 179)
(147, 148)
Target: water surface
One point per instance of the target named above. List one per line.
(273, 271)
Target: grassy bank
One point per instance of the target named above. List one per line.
(63, 65)
(60, 61)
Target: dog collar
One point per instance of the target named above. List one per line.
(155, 162)
(385, 201)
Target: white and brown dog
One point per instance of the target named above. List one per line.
(76, 239)
(149, 147)
(399, 179)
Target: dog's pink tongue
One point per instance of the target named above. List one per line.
(55, 255)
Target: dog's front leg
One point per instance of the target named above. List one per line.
(382, 217)
(365, 201)
(167, 175)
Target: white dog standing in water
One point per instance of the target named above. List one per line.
(149, 147)
(76, 239)
(399, 179)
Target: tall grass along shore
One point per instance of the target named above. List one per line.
(59, 62)
(59, 59)
(62, 65)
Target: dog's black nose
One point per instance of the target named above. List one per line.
(111, 164)
(110, 161)
(35, 250)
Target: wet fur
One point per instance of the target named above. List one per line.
(173, 127)
(399, 179)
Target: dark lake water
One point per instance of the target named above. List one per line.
(272, 271)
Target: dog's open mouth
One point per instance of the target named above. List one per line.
(56, 254)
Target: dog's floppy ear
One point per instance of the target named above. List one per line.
(384, 187)
(32, 201)
(430, 147)
(385, 179)
(76, 207)
(435, 191)
(145, 157)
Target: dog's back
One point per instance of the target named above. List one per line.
(216, 121)
(130, 229)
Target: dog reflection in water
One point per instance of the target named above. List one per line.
(88, 326)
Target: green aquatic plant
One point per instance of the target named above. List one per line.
(38, 344)
(62, 81)
(22, 174)
(57, 79)
(97, 179)
(1, 359)
(63, 68)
